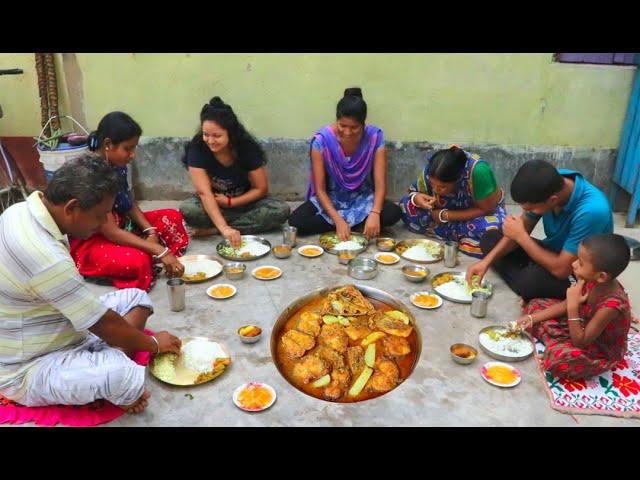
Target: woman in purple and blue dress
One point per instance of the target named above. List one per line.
(348, 176)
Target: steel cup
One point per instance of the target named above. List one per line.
(450, 254)
(479, 302)
(176, 290)
(289, 235)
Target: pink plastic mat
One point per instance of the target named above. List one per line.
(96, 413)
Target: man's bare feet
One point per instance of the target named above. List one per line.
(139, 405)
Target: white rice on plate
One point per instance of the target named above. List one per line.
(349, 245)
(253, 248)
(419, 253)
(454, 290)
(509, 347)
(199, 355)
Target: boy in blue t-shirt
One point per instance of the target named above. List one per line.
(571, 209)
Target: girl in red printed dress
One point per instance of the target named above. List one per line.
(586, 334)
(132, 241)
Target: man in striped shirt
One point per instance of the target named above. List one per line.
(59, 342)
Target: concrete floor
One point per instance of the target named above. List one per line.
(438, 393)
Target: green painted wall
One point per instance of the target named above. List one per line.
(468, 98)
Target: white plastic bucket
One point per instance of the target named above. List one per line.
(52, 160)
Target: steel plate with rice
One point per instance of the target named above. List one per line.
(198, 268)
(453, 287)
(252, 248)
(200, 361)
(332, 244)
(420, 250)
(499, 343)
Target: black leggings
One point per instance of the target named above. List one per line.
(308, 221)
(522, 274)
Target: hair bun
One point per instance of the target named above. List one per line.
(353, 91)
(217, 102)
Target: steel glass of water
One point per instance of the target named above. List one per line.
(289, 235)
(450, 254)
(176, 290)
(479, 302)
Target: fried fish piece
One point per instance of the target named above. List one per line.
(295, 343)
(194, 277)
(340, 378)
(334, 337)
(385, 376)
(393, 346)
(359, 328)
(329, 355)
(347, 301)
(355, 359)
(390, 325)
(310, 323)
(308, 369)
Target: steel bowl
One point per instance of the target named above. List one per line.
(362, 268)
(345, 256)
(463, 354)
(245, 339)
(385, 244)
(234, 276)
(282, 251)
(407, 269)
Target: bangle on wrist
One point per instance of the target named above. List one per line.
(157, 344)
(375, 211)
(228, 201)
(440, 215)
(530, 319)
(155, 230)
(164, 252)
(574, 319)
